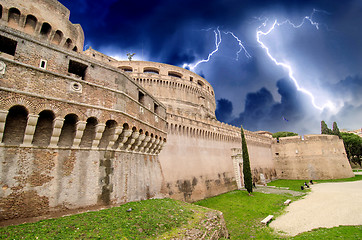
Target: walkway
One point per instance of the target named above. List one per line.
(327, 205)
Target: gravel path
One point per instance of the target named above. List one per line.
(327, 205)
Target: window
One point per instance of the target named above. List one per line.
(8, 45)
(175, 74)
(141, 97)
(77, 68)
(155, 108)
(45, 29)
(151, 70)
(43, 64)
(30, 23)
(57, 37)
(14, 16)
(68, 43)
(191, 79)
(200, 83)
(126, 69)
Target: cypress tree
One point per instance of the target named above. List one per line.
(325, 129)
(336, 130)
(248, 182)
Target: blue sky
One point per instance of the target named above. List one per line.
(324, 54)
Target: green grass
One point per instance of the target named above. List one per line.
(147, 220)
(295, 184)
(342, 232)
(243, 213)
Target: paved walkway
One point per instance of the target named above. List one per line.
(327, 205)
(268, 190)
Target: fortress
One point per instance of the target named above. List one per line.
(81, 129)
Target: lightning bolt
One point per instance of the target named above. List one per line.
(286, 66)
(242, 47)
(217, 44)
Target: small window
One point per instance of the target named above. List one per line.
(201, 83)
(43, 64)
(141, 97)
(126, 69)
(151, 70)
(8, 45)
(191, 79)
(155, 107)
(75, 49)
(175, 74)
(277, 154)
(77, 68)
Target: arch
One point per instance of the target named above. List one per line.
(44, 128)
(75, 49)
(89, 133)
(68, 43)
(15, 125)
(107, 133)
(14, 17)
(30, 24)
(174, 74)
(58, 36)
(45, 29)
(151, 70)
(126, 68)
(68, 132)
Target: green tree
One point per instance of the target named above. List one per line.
(277, 135)
(353, 146)
(248, 182)
(336, 131)
(325, 129)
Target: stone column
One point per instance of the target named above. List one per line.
(124, 137)
(57, 128)
(144, 143)
(79, 133)
(3, 115)
(114, 137)
(29, 130)
(132, 139)
(99, 130)
(138, 142)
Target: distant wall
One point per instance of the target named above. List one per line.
(314, 157)
(197, 159)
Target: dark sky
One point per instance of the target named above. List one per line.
(324, 54)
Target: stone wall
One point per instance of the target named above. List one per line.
(37, 181)
(312, 157)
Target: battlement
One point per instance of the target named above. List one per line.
(306, 138)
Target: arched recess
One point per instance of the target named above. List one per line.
(45, 30)
(75, 49)
(108, 132)
(68, 43)
(89, 133)
(30, 24)
(14, 17)
(120, 137)
(15, 125)
(68, 132)
(57, 37)
(44, 128)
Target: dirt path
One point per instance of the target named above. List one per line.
(327, 205)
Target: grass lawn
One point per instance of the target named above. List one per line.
(147, 220)
(295, 184)
(243, 213)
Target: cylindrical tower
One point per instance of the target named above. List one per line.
(180, 90)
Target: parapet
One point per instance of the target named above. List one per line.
(47, 20)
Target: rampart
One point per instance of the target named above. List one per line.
(312, 157)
